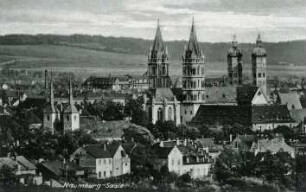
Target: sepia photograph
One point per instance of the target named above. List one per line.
(152, 95)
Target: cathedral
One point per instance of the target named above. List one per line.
(62, 117)
(163, 103)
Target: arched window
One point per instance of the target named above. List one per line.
(160, 114)
(170, 114)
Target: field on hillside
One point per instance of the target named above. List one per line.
(64, 58)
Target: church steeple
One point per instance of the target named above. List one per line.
(52, 96)
(158, 62)
(234, 63)
(193, 79)
(193, 47)
(70, 92)
(258, 41)
(234, 41)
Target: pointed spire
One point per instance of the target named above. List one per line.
(234, 42)
(70, 92)
(52, 95)
(193, 44)
(258, 40)
(158, 44)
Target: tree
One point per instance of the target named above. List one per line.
(7, 174)
(113, 112)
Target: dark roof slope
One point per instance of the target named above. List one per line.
(271, 114)
(245, 94)
(223, 114)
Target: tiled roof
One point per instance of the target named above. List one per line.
(102, 150)
(160, 94)
(217, 95)
(291, 99)
(245, 94)
(274, 145)
(223, 114)
(20, 160)
(57, 167)
(271, 114)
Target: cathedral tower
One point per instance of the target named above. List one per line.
(71, 116)
(193, 78)
(259, 66)
(234, 63)
(158, 63)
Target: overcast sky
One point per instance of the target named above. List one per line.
(216, 20)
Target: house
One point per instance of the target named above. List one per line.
(103, 161)
(270, 117)
(22, 168)
(208, 144)
(182, 159)
(242, 143)
(274, 145)
(56, 170)
(290, 99)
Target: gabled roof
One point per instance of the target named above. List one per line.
(291, 99)
(20, 160)
(70, 109)
(102, 150)
(271, 114)
(160, 94)
(245, 94)
(274, 145)
(217, 95)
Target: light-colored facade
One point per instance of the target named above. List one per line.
(193, 79)
(103, 161)
(259, 65)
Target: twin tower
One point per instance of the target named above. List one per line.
(193, 65)
(193, 69)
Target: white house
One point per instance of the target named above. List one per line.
(103, 161)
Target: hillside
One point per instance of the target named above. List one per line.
(279, 53)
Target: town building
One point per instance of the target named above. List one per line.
(22, 168)
(182, 158)
(274, 146)
(103, 161)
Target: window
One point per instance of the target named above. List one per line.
(104, 173)
(178, 162)
(110, 161)
(67, 117)
(160, 114)
(99, 161)
(263, 74)
(236, 145)
(48, 117)
(190, 112)
(172, 162)
(75, 117)
(104, 161)
(169, 113)
(259, 74)
(185, 112)
(100, 174)
(110, 173)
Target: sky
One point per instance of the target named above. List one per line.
(216, 20)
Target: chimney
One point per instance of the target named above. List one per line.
(161, 144)
(185, 142)
(177, 141)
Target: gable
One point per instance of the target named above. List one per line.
(259, 98)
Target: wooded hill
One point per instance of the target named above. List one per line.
(281, 53)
